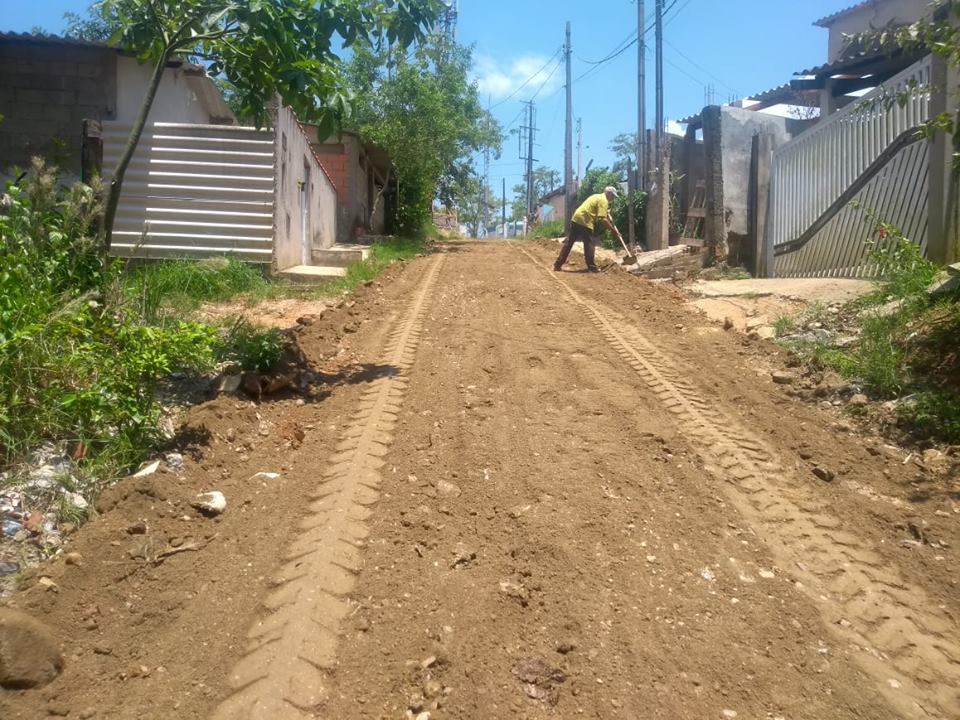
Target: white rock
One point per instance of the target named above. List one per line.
(212, 503)
(147, 470)
(266, 475)
(76, 499)
(729, 713)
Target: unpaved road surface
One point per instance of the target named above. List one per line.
(516, 494)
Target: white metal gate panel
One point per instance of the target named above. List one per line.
(194, 191)
(811, 172)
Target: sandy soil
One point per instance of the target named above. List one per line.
(514, 493)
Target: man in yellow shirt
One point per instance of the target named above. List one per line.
(585, 226)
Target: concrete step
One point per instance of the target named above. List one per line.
(312, 274)
(339, 256)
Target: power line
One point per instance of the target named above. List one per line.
(698, 66)
(549, 77)
(528, 80)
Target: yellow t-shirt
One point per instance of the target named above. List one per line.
(594, 208)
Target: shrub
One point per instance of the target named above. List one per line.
(77, 366)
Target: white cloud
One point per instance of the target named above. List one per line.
(501, 78)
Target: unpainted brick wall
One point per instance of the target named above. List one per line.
(47, 90)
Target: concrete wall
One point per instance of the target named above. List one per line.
(296, 163)
(728, 144)
(351, 169)
(874, 16)
(179, 99)
(46, 91)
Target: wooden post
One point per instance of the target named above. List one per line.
(91, 152)
(759, 201)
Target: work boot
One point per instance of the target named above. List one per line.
(593, 269)
(557, 267)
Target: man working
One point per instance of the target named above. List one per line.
(594, 210)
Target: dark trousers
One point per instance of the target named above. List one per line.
(578, 233)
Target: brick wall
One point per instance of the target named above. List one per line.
(46, 91)
(334, 161)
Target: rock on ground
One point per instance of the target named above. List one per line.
(29, 656)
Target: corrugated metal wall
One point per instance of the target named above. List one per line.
(194, 191)
(810, 173)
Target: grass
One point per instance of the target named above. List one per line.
(907, 346)
(549, 230)
(382, 255)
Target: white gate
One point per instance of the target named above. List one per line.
(194, 191)
(812, 172)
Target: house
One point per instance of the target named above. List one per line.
(553, 206)
(49, 85)
(361, 173)
(821, 122)
(199, 184)
(869, 15)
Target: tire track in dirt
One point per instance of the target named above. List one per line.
(906, 643)
(283, 675)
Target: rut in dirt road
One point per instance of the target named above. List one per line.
(909, 646)
(283, 676)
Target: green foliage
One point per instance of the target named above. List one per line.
(252, 348)
(424, 112)
(933, 415)
(594, 182)
(74, 366)
(93, 27)
(382, 255)
(266, 48)
(552, 229)
(784, 325)
(176, 286)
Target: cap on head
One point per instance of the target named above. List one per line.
(611, 190)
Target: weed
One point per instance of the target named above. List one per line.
(549, 230)
(784, 325)
(933, 415)
(252, 348)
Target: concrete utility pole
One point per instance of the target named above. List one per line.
(570, 193)
(579, 153)
(527, 136)
(660, 118)
(504, 206)
(641, 96)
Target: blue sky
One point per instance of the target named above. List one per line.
(739, 47)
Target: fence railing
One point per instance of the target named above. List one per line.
(194, 191)
(813, 171)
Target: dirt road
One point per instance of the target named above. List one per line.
(517, 494)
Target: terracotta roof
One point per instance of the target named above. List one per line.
(826, 22)
(50, 39)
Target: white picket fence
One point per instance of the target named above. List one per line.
(194, 191)
(810, 173)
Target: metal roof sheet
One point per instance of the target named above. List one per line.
(826, 22)
(50, 39)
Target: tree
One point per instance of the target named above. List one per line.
(595, 181)
(624, 147)
(263, 48)
(424, 111)
(475, 203)
(94, 26)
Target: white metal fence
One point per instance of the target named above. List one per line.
(810, 174)
(194, 191)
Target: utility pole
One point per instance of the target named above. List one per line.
(504, 206)
(660, 117)
(642, 96)
(485, 210)
(527, 136)
(568, 144)
(579, 153)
